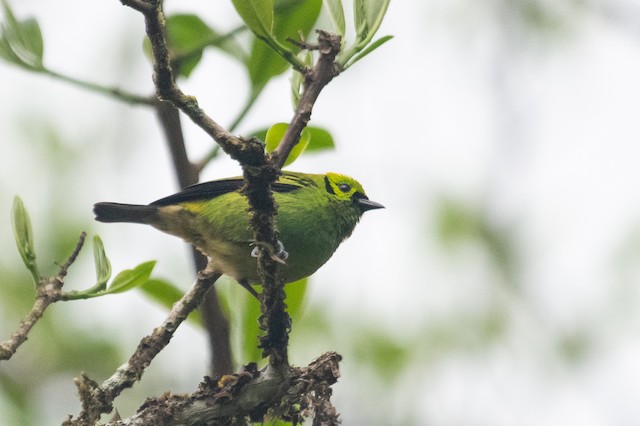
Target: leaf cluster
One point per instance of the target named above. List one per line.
(124, 281)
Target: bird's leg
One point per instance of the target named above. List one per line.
(250, 289)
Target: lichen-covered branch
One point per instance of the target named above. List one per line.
(248, 395)
(98, 399)
(274, 319)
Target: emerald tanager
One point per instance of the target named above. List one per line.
(316, 212)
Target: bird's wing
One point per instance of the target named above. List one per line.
(214, 188)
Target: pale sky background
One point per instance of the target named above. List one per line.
(539, 131)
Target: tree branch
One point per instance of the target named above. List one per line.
(259, 172)
(300, 393)
(123, 95)
(215, 322)
(315, 79)
(274, 319)
(98, 399)
(48, 291)
(168, 90)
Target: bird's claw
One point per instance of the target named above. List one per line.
(279, 256)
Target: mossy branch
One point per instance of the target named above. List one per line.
(98, 399)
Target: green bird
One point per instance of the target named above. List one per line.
(316, 212)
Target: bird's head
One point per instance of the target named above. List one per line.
(348, 189)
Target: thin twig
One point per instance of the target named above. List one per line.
(315, 79)
(120, 94)
(140, 5)
(48, 291)
(74, 255)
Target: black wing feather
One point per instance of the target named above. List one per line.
(212, 189)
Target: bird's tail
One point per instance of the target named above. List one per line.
(116, 212)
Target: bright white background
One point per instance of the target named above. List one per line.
(537, 128)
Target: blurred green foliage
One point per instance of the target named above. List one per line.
(459, 223)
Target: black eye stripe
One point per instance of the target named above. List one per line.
(328, 186)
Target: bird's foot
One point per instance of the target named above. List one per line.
(279, 256)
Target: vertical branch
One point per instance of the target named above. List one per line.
(215, 322)
(258, 173)
(170, 120)
(274, 319)
(259, 170)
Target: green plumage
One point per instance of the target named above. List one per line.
(315, 214)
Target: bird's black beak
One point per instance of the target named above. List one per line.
(366, 204)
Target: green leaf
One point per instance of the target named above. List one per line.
(103, 266)
(275, 135)
(185, 36)
(257, 14)
(359, 18)
(296, 88)
(336, 13)
(373, 46)
(368, 16)
(166, 294)
(264, 64)
(7, 53)
(32, 41)
(130, 278)
(291, 18)
(23, 234)
(21, 41)
(319, 139)
(188, 35)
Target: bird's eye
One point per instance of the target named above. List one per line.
(344, 187)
